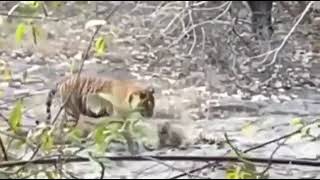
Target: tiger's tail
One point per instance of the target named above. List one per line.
(50, 97)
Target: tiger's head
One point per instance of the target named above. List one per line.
(143, 100)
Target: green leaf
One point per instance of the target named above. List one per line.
(34, 4)
(100, 46)
(76, 134)
(46, 141)
(249, 130)
(16, 117)
(100, 135)
(29, 7)
(244, 171)
(296, 122)
(20, 32)
(52, 175)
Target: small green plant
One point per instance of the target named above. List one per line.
(20, 32)
(100, 46)
(244, 171)
(16, 117)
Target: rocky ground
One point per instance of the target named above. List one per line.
(195, 88)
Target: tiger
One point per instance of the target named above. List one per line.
(127, 92)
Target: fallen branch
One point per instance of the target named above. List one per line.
(280, 138)
(29, 17)
(165, 158)
(194, 170)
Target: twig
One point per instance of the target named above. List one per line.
(241, 158)
(3, 149)
(173, 20)
(210, 8)
(35, 152)
(203, 40)
(202, 23)
(44, 9)
(195, 170)
(103, 168)
(290, 33)
(271, 157)
(260, 55)
(240, 37)
(172, 167)
(195, 4)
(15, 136)
(12, 9)
(31, 158)
(193, 31)
(71, 175)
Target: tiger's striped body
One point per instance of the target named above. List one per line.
(77, 104)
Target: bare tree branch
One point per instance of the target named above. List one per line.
(290, 33)
(202, 23)
(165, 158)
(280, 138)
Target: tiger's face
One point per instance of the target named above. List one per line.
(143, 100)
